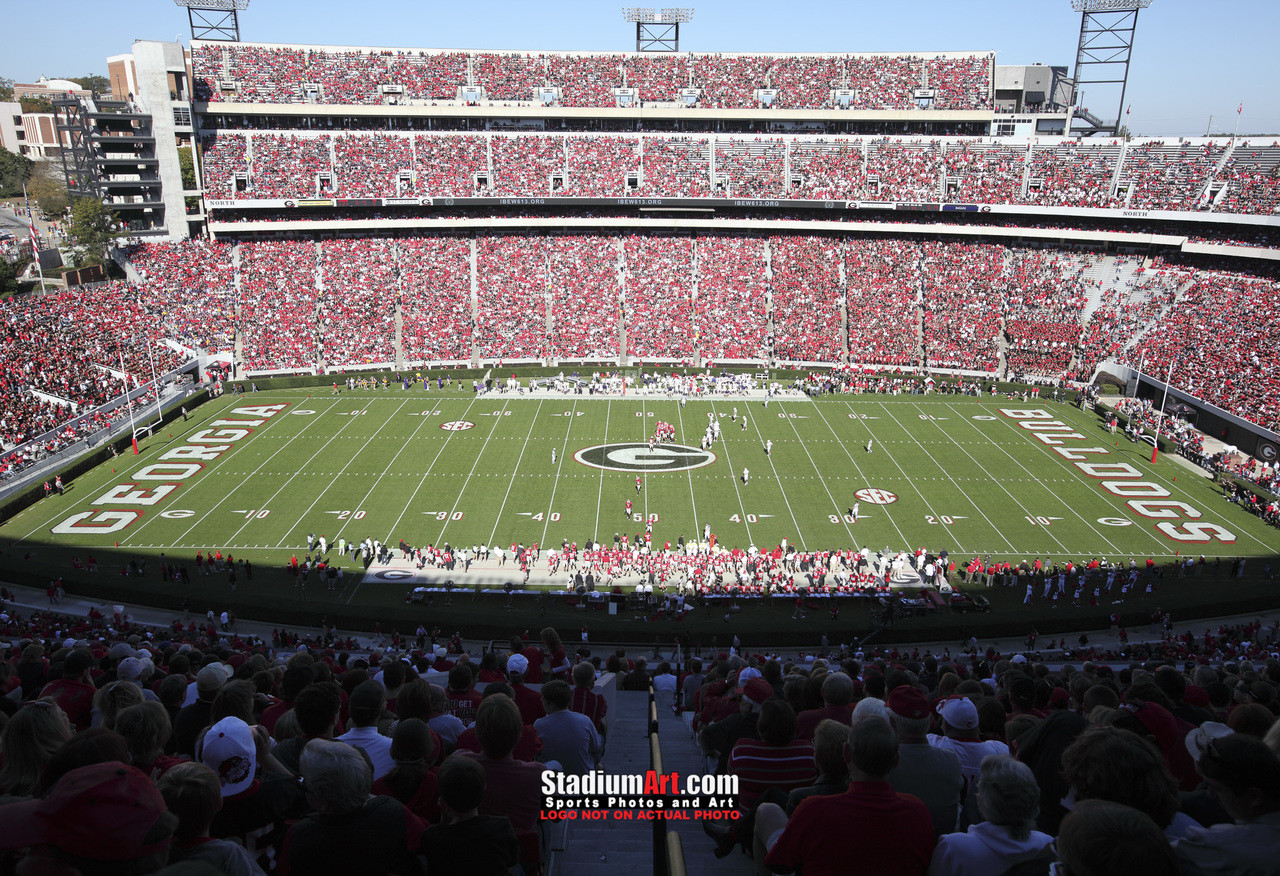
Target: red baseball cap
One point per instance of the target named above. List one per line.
(907, 701)
(104, 812)
(757, 690)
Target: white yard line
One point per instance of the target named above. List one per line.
(416, 490)
(733, 475)
(697, 525)
(840, 509)
(644, 436)
(221, 502)
(497, 421)
(760, 436)
(515, 473)
(343, 524)
(595, 535)
(962, 491)
(960, 416)
(350, 460)
(564, 449)
(990, 477)
(845, 447)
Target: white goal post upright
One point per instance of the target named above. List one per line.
(128, 405)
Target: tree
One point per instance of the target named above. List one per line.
(6, 90)
(92, 229)
(15, 170)
(49, 189)
(37, 105)
(187, 163)
(92, 82)
(9, 273)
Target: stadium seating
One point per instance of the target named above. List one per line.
(657, 308)
(278, 304)
(435, 279)
(261, 74)
(807, 288)
(1153, 174)
(357, 306)
(962, 304)
(511, 282)
(730, 306)
(582, 279)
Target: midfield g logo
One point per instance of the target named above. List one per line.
(638, 458)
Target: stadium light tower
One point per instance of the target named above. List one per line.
(214, 19)
(1107, 29)
(657, 30)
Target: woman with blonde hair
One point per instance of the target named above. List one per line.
(28, 743)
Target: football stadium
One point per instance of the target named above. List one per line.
(897, 435)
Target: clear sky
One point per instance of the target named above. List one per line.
(1191, 60)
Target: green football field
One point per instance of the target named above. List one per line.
(254, 475)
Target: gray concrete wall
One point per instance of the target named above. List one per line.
(153, 61)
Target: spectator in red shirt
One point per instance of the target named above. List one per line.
(585, 700)
(837, 693)
(74, 692)
(464, 699)
(867, 829)
(529, 701)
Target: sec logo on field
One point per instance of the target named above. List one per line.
(637, 457)
(875, 496)
(457, 425)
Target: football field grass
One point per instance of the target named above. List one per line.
(942, 472)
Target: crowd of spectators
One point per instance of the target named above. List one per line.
(751, 168)
(189, 286)
(598, 167)
(962, 300)
(960, 83)
(806, 297)
(369, 165)
(525, 165)
(583, 283)
(1252, 180)
(511, 284)
(913, 763)
(585, 80)
(1125, 311)
(985, 174)
(285, 75)
(883, 301)
(431, 76)
(657, 304)
(278, 304)
(906, 171)
(295, 755)
(675, 167)
(511, 76)
(435, 302)
(828, 169)
(280, 165)
(289, 166)
(1222, 338)
(804, 82)
(1169, 176)
(1044, 297)
(1073, 174)
(447, 165)
(730, 304)
(357, 323)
